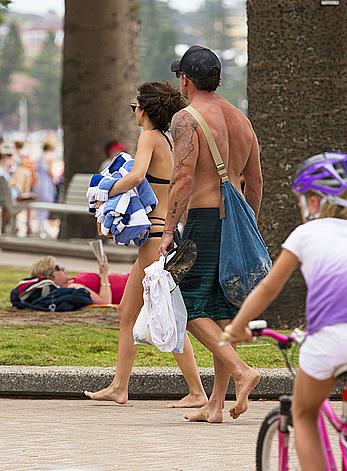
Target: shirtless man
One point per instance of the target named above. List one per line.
(195, 186)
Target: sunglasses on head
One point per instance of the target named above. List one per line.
(133, 106)
(59, 268)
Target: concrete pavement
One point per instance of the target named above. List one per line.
(71, 435)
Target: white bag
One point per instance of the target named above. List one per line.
(141, 331)
(180, 312)
(163, 317)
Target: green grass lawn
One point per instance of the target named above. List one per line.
(95, 344)
(9, 277)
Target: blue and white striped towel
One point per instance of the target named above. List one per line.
(124, 215)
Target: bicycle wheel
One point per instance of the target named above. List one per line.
(267, 445)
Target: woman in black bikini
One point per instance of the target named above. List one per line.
(156, 103)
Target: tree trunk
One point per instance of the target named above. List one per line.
(100, 78)
(297, 94)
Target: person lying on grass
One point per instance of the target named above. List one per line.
(104, 288)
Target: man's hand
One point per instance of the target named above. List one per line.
(166, 243)
(234, 335)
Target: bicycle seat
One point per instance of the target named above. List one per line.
(341, 372)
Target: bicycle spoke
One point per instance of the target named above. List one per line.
(271, 451)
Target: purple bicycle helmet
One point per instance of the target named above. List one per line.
(324, 173)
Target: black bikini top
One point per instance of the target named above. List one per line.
(159, 181)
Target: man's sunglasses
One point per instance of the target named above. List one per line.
(133, 106)
(59, 268)
(178, 74)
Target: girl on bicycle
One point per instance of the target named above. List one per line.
(320, 247)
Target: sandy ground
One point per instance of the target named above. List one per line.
(13, 316)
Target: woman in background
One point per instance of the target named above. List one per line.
(45, 188)
(104, 288)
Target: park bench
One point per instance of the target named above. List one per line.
(75, 201)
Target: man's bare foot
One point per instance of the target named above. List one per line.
(191, 400)
(207, 413)
(108, 394)
(243, 388)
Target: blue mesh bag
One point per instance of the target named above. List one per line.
(244, 258)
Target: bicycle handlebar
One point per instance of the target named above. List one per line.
(259, 329)
(280, 338)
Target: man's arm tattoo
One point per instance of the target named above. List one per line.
(174, 209)
(183, 129)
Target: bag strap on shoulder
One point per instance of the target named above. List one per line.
(214, 151)
(211, 143)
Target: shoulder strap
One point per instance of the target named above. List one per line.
(211, 143)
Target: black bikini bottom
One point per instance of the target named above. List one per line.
(158, 233)
(177, 236)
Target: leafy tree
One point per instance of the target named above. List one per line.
(47, 70)
(234, 84)
(11, 60)
(156, 66)
(159, 38)
(212, 14)
(3, 5)
(162, 28)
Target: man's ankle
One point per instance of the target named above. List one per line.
(216, 403)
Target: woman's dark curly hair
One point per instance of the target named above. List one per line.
(160, 100)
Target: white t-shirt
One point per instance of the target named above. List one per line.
(321, 247)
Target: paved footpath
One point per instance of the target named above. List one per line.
(71, 435)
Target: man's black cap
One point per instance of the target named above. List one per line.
(198, 62)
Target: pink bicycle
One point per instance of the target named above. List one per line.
(275, 444)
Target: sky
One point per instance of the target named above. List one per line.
(41, 6)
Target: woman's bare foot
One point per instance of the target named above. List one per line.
(108, 394)
(207, 413)
(191, 400)
(243, 387)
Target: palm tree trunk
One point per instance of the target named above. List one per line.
(297, 94)
(100, 76)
